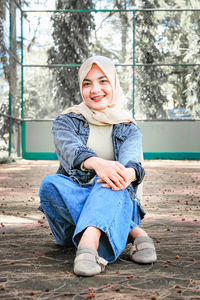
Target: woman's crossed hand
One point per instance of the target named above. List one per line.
(111, 173)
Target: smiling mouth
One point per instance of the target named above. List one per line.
(97, 98)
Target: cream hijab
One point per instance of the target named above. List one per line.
(113, 114)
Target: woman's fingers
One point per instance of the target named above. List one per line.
(111, 172)
(110, 183)
(114, 180)
(100, 180)
(121, 175)
(114, 174)
(120, 165)
(118, 180)
(105, 185)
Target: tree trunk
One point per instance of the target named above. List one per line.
(12, 58)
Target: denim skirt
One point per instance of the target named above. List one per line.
(70, 208)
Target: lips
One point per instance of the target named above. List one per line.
(97, 98)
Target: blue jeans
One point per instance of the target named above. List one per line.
(70, 208)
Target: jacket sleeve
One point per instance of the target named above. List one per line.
(69, 146)
(130, 151)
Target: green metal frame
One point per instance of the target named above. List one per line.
(22, 69)
(147, 155)
(172, 155)
(33, 155)
(10, 95)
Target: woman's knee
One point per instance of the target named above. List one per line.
(48, 182)
(47, 187)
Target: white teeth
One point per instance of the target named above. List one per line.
(98, 97)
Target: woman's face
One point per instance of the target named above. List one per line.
(96, 89)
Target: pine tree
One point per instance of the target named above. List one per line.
(150, 98)
(4, 57)
(71, 34)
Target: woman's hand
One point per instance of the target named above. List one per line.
(130, 175)
(113, 174)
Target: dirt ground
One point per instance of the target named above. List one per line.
(33, 267)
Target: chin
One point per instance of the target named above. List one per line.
(100, 107)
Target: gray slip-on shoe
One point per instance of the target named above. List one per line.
(88, 263)
(143, 250)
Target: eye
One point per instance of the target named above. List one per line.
(86, 83)
(104, 80)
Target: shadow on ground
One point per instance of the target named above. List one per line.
(34, 267)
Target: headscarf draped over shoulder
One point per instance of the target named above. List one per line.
(113, 114)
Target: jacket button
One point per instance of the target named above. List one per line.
(85, 125)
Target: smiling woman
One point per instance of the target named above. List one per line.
(92, 203)
(96, 89)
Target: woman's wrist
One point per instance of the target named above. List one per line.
(90, 162)
(131, 174)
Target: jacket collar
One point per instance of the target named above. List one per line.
(76, 116)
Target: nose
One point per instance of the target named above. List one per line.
(95, 88)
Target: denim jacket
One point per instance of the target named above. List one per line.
(71, 134)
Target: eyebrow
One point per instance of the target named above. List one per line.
(98, 78)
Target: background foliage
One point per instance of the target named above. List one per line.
(71, 34)
(160, 37)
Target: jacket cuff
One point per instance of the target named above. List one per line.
(139, 170)
(81, 157)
